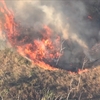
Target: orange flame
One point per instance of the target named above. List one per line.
(38, 50)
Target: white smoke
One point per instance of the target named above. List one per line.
(65, 17)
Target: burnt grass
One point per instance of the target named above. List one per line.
(21, 80)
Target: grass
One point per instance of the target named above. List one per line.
(20, 80)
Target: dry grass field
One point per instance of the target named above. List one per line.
(21, 80)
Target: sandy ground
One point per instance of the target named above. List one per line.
(20, 80)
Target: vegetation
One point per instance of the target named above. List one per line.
(20, 80)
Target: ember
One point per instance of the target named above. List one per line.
(90, 17)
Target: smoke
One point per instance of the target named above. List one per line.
(65, 17)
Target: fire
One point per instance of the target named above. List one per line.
(44, 51)
(40, 51)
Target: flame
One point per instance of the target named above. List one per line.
(40, 51)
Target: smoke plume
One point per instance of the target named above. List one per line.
(69, 18)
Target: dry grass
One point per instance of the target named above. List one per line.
(20, 80)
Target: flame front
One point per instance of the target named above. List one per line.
(42, 51)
